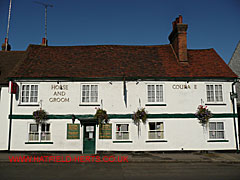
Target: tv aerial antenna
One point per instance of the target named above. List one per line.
(45, 6)
(9, 16)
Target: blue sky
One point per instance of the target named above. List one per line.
(211, 23)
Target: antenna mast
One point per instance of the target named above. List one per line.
(46, 6)
(9, 15)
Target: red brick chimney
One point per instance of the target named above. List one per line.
(44, 42)
(178, 39)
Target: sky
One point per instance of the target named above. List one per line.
(211, 23)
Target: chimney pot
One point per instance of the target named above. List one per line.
(180, 19)
(44, 42)
(6, 46)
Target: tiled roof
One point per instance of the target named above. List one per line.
(8, 60)
(105, 61)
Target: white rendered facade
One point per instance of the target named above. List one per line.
(173, 124)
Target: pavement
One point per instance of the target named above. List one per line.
(134, 157)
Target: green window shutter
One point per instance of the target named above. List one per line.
(73, 131)
(105, 131)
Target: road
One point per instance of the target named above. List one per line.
(166, 171)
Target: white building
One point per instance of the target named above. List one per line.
(169, 81)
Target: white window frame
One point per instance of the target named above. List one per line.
(122, 132)
(29, 95)
(39, 132)
(81, 94)
(155, 93)
(214, 93)
(224, 130)
(148, 131)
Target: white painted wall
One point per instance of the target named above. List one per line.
(4, 121)
(186, 134)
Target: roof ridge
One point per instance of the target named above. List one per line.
(101, 45)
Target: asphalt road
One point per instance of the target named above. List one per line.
(59, 171)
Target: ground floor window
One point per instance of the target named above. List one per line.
(122, 131)
(39, 132)
(156, 130)
(216, 130)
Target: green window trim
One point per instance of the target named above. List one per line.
(155, 104)
(218, 140)
(215, 104)
(89, 105)
(153, 141)
(38, 142)
(122, 141)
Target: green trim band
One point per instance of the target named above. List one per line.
(120, 78)
(152, 141)
(125, 116)
(122, 141)
(218, 140)
(38, 142)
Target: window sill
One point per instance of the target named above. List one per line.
(38, 142)
(89, 104)
(218, 140)
(28, 104)
(152, 141)
(122, 142)
(215, 104)
(155, 104)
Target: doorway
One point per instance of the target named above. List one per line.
(89, 138)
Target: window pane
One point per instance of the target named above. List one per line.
(152, 126)
(118, 135)
(220, 126)
(151, 93)
(124, 127)
(159, 93)
(220, 134)
(125, 135)
(48, 127)
(212, 135)
(43, 127)
(212, 126)
(33, 128)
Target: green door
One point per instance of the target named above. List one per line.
(89, 138)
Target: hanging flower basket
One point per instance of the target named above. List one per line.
(203, 114)
(101, 116)
(141, 114)
(40, 116)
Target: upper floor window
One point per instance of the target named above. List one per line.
(29, 94)
(214, 93)
(216, 130)
(155, 93)
(89, 94)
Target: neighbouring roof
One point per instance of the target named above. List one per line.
(8, 60)
(106, 61)
(234, 62)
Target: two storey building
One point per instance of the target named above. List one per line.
(169, 81)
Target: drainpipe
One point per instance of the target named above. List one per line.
(10, 122)
(233, 95)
